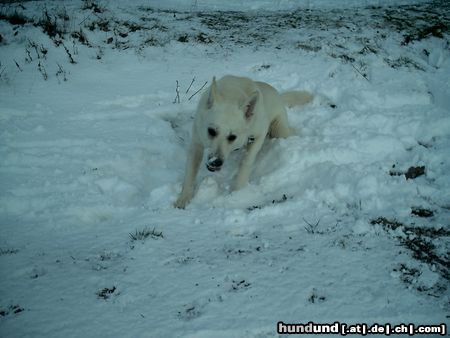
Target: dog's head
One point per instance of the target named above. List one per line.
(227, 119)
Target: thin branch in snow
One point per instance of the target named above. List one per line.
(311, 228)
(18, 66)
(359, 72)
(87, 17)
(198, 91)
(42, 70)
(71, 60)
(28, 58)
(192, 82)
(177, 97)
(61, 72)
(2, 69)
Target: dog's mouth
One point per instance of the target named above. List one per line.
(214, 163)
(212, 168)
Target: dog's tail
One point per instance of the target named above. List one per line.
(296, 98)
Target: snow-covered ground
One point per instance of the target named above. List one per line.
(348, 221)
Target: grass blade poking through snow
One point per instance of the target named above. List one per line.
(142, 235)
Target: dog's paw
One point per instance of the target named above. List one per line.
(182, 201)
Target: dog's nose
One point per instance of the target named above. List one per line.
(214, 164)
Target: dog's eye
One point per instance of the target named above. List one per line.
(212, 132)
(231, 138)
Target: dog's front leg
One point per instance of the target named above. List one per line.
(194, 159)
(246, 165)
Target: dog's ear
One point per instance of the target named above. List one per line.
(212, 94)
(249, 105)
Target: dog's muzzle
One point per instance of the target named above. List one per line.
(214, 164)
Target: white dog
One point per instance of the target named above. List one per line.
(236, 112)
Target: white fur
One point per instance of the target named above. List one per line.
(243, 108)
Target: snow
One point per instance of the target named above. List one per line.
(91, 159)
(270, 4)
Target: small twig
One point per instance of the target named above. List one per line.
(61, 71)
(71, 60)
(177, 97)
(28, 59)
(193, 79)
(43, 51)
(85, 19)
(36, 50)
(74, 48)
(42, 70)
(363, 75)
(18, 66)
(198, 91)
(311, 228)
